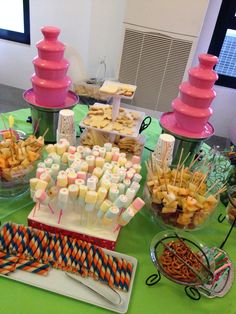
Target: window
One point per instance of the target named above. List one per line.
(223, 44)
(14, 20)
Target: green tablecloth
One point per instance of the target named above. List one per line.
(165, 297)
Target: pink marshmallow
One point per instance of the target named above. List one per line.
(72, 176)
(71, 149)
(40, 196)
(115, 156)
(39, 171)
(135, 160)
(81, 175)
(138, 204)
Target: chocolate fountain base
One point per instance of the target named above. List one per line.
(44, 117)
(189, 142)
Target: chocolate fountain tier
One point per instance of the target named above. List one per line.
(46, 117)
(50, 48)
(169, 124)
(50, 70)
(191, 108)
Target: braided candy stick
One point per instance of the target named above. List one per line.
(76, 254)
(128, 275)
(15, 243)
(123, 276)
(49, 253)
(57, 253)
(68, 257)
(111, 271)
(33, 267)
(20, 240)
(40, 243)
(9, 257)
(93, 266)
(62, 250)
(102, 269)
(7, 233)
(7, 271)
(4, 263)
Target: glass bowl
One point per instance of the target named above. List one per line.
(17, 185)
(182, 258)
(18, 159)
(180, 207)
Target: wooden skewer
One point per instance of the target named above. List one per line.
(212, 187)
(194, 161)
(37, 126)
(201, 182)
(164, 162)
(221, 190)
(44, 134)
(181, 176)
(177, 168)
(182, 164)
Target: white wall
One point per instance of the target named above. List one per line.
(106, 35)
(89, 28)
(224, 105)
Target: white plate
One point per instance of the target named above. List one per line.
(118, 84)
(135, 129)
(57, 281)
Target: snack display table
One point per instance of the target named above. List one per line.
(134, 240)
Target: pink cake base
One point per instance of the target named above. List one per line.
(71, 99)
(168, 122)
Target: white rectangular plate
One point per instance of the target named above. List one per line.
(118, 84)
(57, 281)
(135, 129)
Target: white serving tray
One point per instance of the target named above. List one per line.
(57, 281)
(118, 84)
(135, 129)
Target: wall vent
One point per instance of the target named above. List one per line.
(156, 63)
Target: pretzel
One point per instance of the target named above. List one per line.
(174, 267)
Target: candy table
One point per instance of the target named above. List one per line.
(165, 297)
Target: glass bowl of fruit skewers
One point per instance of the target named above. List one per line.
(179, 197)
(18, 160)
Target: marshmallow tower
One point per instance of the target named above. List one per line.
(99, 184)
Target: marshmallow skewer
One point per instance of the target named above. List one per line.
(129, 213)
(62, 201)
(90, 201)
(100, 182)
(81, 200)
(41, 197)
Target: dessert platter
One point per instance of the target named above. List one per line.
(85, 194)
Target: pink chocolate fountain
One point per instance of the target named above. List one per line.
(191, 109)
(50, 92)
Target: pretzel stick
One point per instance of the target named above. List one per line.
(195, 255)
(182, 260)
